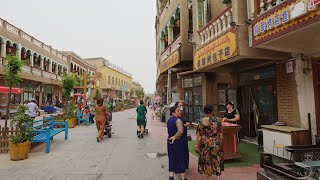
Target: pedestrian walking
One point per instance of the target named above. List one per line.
(176, 151)
(109, 106)
(209, 145)
(186, 124)
(32, 109)
(100, 115)
(141, 118)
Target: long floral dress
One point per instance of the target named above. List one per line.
(210, 148)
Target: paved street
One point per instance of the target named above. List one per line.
(119, 158)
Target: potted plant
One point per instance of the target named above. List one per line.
(71, 115)
(20, 143)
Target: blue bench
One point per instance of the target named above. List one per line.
(44, 131)
(83, 117)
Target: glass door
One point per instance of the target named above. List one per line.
(257, 107)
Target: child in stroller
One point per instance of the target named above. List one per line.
(146, 131)
(107, 127)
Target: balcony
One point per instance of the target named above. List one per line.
(171, 48)
(287, 25)
(41, 73)
(217, 26)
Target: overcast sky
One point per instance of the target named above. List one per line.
(121, 31)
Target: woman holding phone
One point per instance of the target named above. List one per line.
(176, 151)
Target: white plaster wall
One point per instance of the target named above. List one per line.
(306, 100)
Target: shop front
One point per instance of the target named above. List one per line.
(28, 92)
(257, 100)
(48, 95)
(15, 100)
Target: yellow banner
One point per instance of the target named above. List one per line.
(170, 62)
(218, 50)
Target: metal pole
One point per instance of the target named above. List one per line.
(85, 89)
(169, 87)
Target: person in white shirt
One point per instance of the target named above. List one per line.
(32, 109)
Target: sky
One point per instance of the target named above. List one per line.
(121, 31)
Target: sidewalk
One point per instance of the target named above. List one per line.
(158, 131)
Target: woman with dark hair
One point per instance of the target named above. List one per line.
(100, 114)
(176, 152)
(232, 115)
(141, 118)
(181, 104)
(209, 145)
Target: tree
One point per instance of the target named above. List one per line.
(97, 94)
(67, 85)
(11, 77)
(139, 93)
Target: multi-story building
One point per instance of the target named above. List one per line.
(291, 26)
(43, 70)
(242, 56)
(115, 82)
(78, 65)
(136, 85)
(173, 52)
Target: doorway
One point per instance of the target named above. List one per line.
(257, 107)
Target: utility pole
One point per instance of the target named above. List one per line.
(85, 86)
(169, 86)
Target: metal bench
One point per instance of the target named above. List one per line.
(45, 131)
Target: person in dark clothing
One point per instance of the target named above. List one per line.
(232, 115)
(176, 152)
(186, 124)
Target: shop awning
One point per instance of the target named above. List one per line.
(5, 89)
(78, 94)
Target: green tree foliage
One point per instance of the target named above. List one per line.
(11, 77)
(97, 94)
(139, 93)
(78, 81)
(23, 123)
(227, 2)
(67, 85)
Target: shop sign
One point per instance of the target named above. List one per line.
(218, 50)
(313, 4)
(280, 17)
(171, 61)
(289, 67)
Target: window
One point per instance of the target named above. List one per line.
(112, 80)
(109, 79)
(116, 82)
(119, 82)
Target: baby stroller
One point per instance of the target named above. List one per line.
(146, 131)
(108, 127)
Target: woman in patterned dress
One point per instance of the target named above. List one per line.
(209, 145)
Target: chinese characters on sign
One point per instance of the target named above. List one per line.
(171, 61)
(270, 22)
(218, 50)
(281, 16)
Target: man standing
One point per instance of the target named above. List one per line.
(32, 109)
